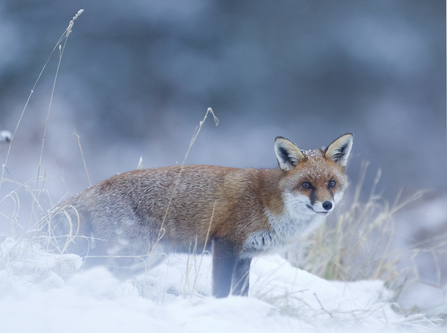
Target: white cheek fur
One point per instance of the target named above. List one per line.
(338, 196)
(285, 229)
(297, 206)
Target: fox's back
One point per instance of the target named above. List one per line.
(179, 203)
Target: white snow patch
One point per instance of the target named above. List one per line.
(169, 298)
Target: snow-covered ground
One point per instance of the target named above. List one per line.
(421, 237)
(39, 292)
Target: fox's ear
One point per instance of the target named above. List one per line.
(287, 153)
(338, 151)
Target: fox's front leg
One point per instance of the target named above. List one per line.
(241, 277)
(225, 257)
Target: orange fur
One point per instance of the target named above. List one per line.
(239, 212)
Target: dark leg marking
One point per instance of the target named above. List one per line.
(224, 261)
(241, 277)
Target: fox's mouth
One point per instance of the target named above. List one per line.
(321, 213)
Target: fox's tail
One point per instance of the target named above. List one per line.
(68, 229)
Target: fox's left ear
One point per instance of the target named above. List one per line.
(287, 153)
(338, 151)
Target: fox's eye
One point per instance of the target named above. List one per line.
(332, 183)
(306, 185)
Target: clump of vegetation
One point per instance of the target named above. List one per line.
(356, 242)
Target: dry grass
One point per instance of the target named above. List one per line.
(23, 253)
(356, 242)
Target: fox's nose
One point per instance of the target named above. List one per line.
(327, 205)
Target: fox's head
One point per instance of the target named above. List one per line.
(314, 180)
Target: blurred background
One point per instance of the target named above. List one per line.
(136, 78)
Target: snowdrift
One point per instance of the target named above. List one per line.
(43, 292)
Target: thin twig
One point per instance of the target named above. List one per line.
(194, 137)
(63, 36)
(321, 305)
(83, 159)
(204, 245)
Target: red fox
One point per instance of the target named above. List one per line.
(139, 216)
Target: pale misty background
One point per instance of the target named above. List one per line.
(137, 77)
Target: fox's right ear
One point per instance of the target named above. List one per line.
(287, 153)
(339, 150)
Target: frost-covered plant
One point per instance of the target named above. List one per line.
(356, 243)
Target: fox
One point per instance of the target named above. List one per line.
(135, 218)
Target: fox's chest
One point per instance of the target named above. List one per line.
(284, 230)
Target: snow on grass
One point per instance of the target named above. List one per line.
(39, 293)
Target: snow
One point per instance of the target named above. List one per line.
(421, 237)
(42, 292)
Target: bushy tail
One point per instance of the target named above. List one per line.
(67, 229)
